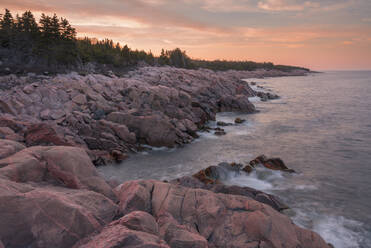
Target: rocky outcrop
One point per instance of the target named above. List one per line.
(265, 96)
(156, 106)
(52, 196)
(239, 121)
(270, 163)
(57, 165)
(212, 179)
(192, 217)
(48, 216)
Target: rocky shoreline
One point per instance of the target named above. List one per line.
(111, 117)
(54, 130)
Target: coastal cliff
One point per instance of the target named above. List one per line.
(54, 128)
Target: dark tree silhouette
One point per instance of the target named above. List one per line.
(52, 42)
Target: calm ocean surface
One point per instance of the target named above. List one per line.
(321, 127)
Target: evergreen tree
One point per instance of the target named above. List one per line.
(7, 21)
(67, 31)
(27, 23)
(45, 26)
(55, 27)
(52, 42)
(7, 29)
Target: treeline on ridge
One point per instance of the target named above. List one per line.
(51, 44)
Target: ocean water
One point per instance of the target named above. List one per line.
(321, 127)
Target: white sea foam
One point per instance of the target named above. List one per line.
(260, 179)
(254, 99)
(339, 231)
(249, 181)
(162, 148)
(305, 187)
(207, 135)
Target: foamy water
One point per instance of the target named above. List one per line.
(321, 127)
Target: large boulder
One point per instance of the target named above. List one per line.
(194, 216)
(270, 163)
(66, 166)
(48, 216)
(154, 130)
(134, 196)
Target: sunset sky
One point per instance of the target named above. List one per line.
(319, 34)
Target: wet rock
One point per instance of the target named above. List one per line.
(271, 163)
(233, 166)
(220, 133)
(219, 187)
(100, 158)
(223, 124)
(212, 179)
(239, 121)
(264, 96)
(210, 175)
(118, 156)
(248, 168)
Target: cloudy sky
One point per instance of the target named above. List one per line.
(320, 34)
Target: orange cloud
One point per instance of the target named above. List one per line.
(157, 24)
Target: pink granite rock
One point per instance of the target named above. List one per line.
(67, 166)
(118, 235)
(48, 216)
(9, 147)
(188, 217)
